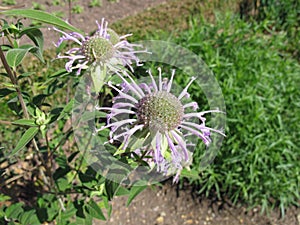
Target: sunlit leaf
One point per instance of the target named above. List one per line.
(40, 16)
(94, 210)
(25, 139)
(134, 191)
(35, 35)
(25, 122)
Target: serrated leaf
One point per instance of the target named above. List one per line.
(42, 17)
(94, 210)
(25, 122)
(134, 191)
(25, 139)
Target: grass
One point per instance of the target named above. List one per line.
(171, 17)
(259, 161)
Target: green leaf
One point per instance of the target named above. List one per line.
(15, 56)
(62, 184)
(134, 191)
(9, 85)
(61, 161)
(72, 156)
(59, 73)
(35, 35)
(25, 122)
(39, 99)
(66, 215)
(94, 210)
(5, 91)
(14, 210)
(42, 17)
(25, 139)
(29, 217)
(36, 51)
(111, 188)
(23, 75)
(122, 191)
(190, 174)
(4, 74)
(67, 109)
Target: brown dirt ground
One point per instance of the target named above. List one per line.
(171, 205)
(168, 204)
(110, 10)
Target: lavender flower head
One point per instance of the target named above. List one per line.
(105, 47)
(167, 121)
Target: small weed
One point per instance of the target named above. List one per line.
(38, 6)
(77, 9)
(58, 2)
(9, 2)
(95, 3)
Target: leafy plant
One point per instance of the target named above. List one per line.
(77, 9)
(9, 2)
(38, 6)
(258, 162)
(61, 186)
(95, 3)
(57, 3)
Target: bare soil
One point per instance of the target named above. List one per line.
(171, 205)
(167, 205)
(86, 20)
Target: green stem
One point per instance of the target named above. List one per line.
(5, 122)
(14, 80)
(12, 76)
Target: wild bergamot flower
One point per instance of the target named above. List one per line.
(165, 121)
(105, 47)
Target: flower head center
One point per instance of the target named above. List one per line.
(97, 48)
(160, 111)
